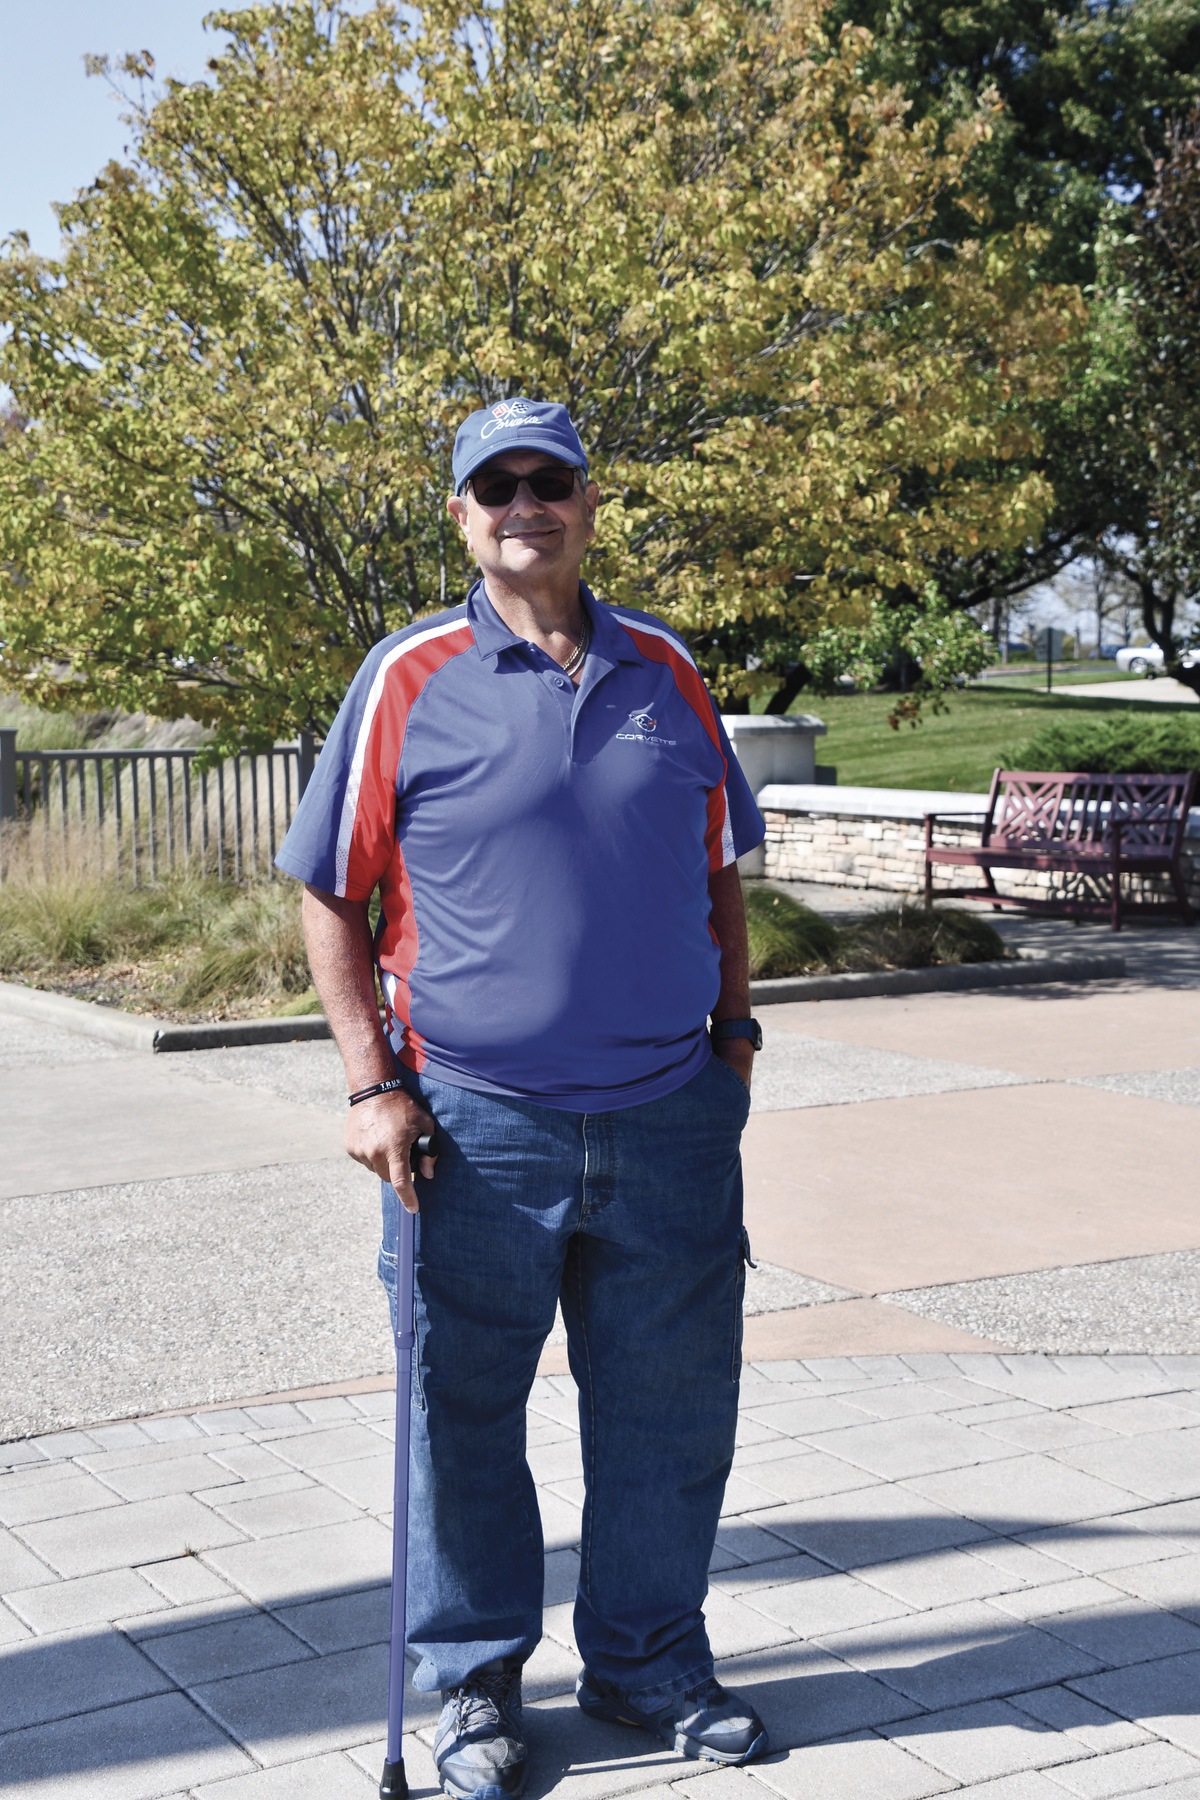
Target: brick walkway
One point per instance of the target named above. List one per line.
(936, 1573)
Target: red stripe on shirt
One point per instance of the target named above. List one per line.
(373, 835)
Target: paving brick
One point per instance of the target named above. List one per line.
(1159, 1695)
(1020, 1563)
(138, 1751)
(735, 1628)
(303, 1709)
(49, 1678)
(1031, 1784)
(562, 1523)
(343, 1622)
(165, 1431)
(582, 1759)
(118, 1437)
(181, 1475)
(804, 1695)
(74, 1493)
(369, 1481)
(232, 1491)
(750, 1543)
(139, 1531)
(750, 1432)
(561, 1578)
(1080, 1382)
(1102, 1544)
(20, 1454)
(313, 1449)
(308, 1564)
(12, 1629)
(720, 1784)
(90, 1600)
(756, 1577)
(66, 1443)
(1072, 1716)
(1157, 1465)
(895, 1448)
(329, 1410)
(1178, 1520)
(903, 1401)
(955, 1654)
(1128, 1771)
(332, 1777)
(150, 1455)
(1049, 1430)
(984, 1741)
(219, 1424)
(991, 1411)
(375, 1406)
(831, 1603)
(1173, 1583)
(276, 1414)
(19, 1567)
(809, 1413)
(251, 1462)
(304, 1509)
(744, 1493)
(1132, 1417)
(937, 1580)
(561, 1461)
(231, 1646)
(179, 1618)
(1022, 1492)
(848, 1768)
(1126, 1632)
(1067, 1596)
(877, 1524)
(185, 1579)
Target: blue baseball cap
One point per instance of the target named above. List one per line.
(515, 425)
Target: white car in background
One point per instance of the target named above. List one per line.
(1147, 659)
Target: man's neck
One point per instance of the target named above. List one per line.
(545, 611)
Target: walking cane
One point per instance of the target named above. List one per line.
(394, 1785)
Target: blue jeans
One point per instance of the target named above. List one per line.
(634, 1219)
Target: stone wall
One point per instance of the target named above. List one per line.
(887, 853)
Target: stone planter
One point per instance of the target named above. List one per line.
(773, 750)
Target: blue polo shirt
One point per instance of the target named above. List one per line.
(542, 852)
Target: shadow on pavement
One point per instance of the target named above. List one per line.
(309, 1676)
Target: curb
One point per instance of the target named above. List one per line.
(1019, 973)
(131, 1032)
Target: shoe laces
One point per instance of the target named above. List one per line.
(488, 1698)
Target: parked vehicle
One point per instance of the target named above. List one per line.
(1147, 659)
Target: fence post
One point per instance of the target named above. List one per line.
(8, 772)
(306, 758)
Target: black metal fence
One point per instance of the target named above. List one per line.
(143, 813)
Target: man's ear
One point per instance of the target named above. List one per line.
(456, 506)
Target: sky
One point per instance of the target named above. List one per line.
(58, 126)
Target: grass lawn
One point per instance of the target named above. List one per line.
(1033, 675)
(956, 750)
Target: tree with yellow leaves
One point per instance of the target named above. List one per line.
(692, 222)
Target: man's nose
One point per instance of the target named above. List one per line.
(525, 500)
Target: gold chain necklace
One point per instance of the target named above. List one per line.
(577, 655)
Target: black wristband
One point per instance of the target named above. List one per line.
(381, 1087)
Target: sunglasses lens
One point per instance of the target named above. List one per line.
(500, 488)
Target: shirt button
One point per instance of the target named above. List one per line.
(559, 682)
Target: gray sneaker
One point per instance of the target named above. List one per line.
(479, 1747)
(708, 1721)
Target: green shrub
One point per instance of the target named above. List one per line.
(786, 938)
(67, 917)
(254, 948)
(1126, 745)
(909, 937)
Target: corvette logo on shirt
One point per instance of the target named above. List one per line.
(646, 723)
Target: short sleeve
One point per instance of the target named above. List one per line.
(744, 827)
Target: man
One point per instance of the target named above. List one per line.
(541, 790)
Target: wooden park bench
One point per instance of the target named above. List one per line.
(1074, 824)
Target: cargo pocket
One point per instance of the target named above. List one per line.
(745, 1260)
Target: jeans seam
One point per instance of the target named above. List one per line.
(589, 1483)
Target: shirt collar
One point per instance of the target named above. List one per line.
(492, 635)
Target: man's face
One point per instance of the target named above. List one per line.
(528, 538)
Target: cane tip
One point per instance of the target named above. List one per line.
(394, 1785)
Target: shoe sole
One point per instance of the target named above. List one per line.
(491, 1792)
(679, 1741)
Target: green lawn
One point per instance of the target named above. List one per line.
(956, 750)
(1033, 675)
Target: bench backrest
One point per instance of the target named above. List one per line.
(1027, 808)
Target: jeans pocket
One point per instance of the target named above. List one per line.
(732, 1074)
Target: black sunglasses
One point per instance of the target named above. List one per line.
(498, 487)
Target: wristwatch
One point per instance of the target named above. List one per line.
(723, 1029)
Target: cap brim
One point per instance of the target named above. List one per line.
(518, 440)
